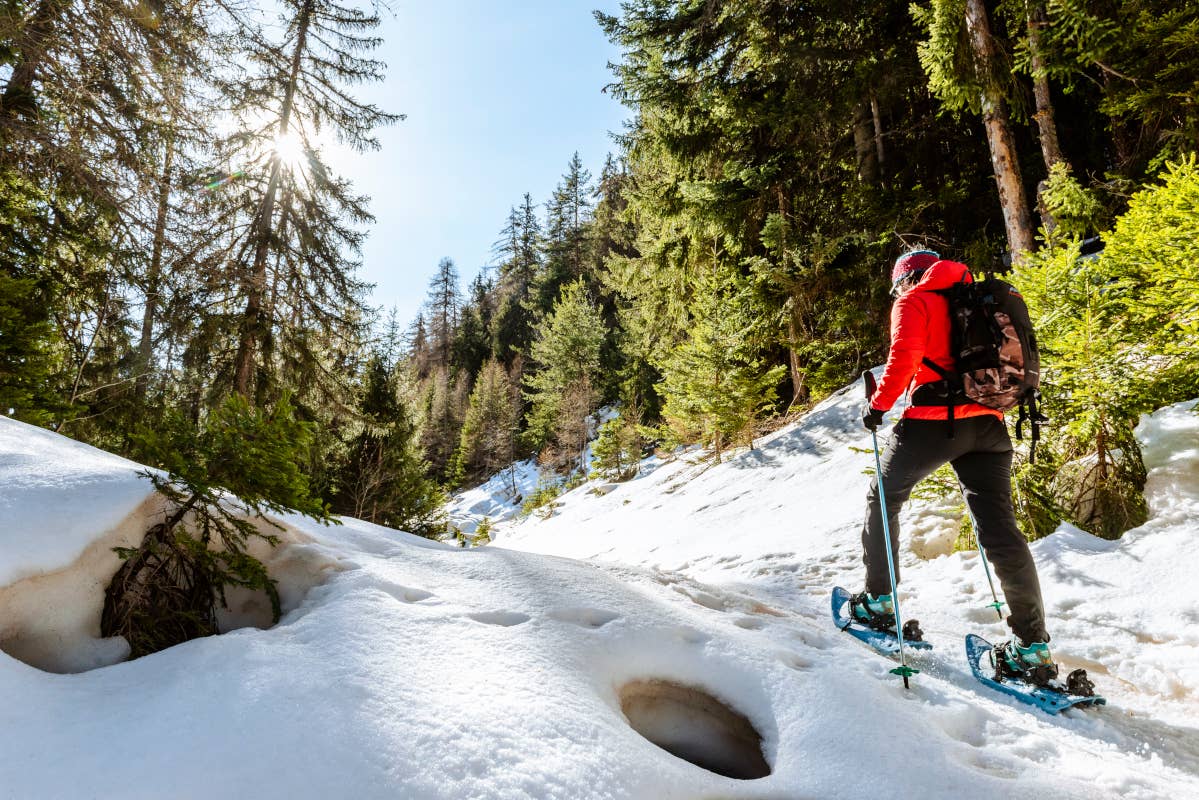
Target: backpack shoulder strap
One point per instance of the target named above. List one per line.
(937, 368)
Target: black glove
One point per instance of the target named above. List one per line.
(871, 417)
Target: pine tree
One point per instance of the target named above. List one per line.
(419, 353)
(964, 63)
(383, 479)
(519, 250)
(743, 153)
(472, 341)
(566, 247)
(443, 408)
(616, 452)
(562, 389)
(27, 363)
(488, 440)
(444, 303)
(168, 589)
(713, 386)
(297, 260)
(1119, 335)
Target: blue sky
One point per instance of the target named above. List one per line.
(499, 95)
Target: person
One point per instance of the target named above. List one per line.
(970, 437)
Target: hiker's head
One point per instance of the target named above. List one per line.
(909, 268)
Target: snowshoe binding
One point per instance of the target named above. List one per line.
(1028, 673)
(872, 620)
(878, 613)
(1031, 663)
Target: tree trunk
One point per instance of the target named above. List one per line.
(798, 384)
(253, 322)
(864, 146)
(145, 347)
(878, 131)
(1051, 149)
(31, 44)
(1016, 218)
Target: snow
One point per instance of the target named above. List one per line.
(408, 668)
(56, 496)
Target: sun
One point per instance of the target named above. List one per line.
(289, 149)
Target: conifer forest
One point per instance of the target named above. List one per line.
(180, 279)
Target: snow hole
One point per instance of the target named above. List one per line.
(691, 724)
(51, 620)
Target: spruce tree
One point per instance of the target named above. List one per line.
(562, 388)
(714, 387)
(964, 61)
(442, 410)
(383, 479)
(488, 440)
(27, 363)
(519, 251)
(222, 479)
(566, 247)
(297, 259)
(443, 304)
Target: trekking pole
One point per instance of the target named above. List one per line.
(998, 604)
(903, 669)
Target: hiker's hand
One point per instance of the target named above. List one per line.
(871, 417)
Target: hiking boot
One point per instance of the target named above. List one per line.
(1030, 662)
(874, 612)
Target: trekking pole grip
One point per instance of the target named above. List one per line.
(871, 385)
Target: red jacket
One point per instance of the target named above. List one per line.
(919, 329)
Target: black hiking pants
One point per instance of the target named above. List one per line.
(981, 454)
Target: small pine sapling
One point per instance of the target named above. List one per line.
(483, 533)
(222, 480)
(616, 452)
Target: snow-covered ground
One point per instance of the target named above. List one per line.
(404, 668)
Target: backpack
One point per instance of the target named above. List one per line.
(996, 360)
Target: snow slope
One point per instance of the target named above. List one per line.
(780, 524)
(404, 668)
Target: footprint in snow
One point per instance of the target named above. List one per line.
(504, 619)
(584, 617)
(407, 594)
(981, 615)
(749, 623)
(795, 661)
(988, 764)
(702, 598)
(691, 636)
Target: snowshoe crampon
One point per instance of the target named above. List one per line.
(1042, 690)
(884, 641)
(1077, 683)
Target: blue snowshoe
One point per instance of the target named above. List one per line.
(1027, 673)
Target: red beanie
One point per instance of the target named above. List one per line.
(910, 262)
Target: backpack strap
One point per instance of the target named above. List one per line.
(946, 379)
(1029, 410)
(1035, 418)
(937, 368)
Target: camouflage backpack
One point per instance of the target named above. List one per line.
(994, 348)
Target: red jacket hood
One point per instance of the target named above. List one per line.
(942, 275)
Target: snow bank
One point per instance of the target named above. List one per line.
(55, 496)
(63, 508)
